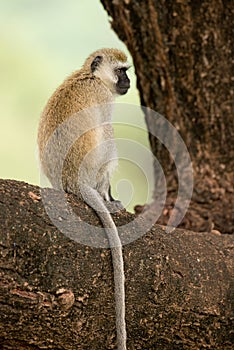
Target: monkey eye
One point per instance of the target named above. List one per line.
(120, 70)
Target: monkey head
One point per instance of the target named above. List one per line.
(110, 65)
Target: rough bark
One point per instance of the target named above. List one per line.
(182, 53)
(58, 294)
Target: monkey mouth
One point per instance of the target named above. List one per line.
(122, 90)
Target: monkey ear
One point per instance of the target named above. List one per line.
(96, 62)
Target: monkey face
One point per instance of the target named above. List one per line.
(123, 82)
(110, 65)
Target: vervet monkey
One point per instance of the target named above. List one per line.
(93, 88)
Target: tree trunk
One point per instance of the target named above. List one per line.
(58, 294)
(182, 53)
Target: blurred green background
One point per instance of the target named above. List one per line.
(42, 42)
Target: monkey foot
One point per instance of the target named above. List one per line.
(114, 206)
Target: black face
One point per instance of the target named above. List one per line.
(123, 83)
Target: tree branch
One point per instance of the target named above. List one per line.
(58, 294)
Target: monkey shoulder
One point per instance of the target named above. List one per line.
(88, 87)
(79, 91)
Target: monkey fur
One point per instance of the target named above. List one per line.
(91, 159)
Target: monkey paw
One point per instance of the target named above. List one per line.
(114, 206)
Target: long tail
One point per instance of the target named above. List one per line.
(93, 198)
